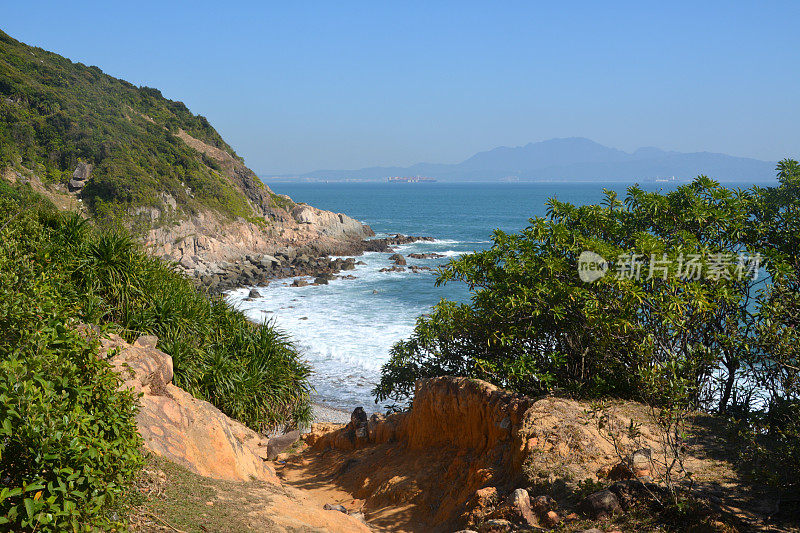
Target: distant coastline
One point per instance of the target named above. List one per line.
(563, 160)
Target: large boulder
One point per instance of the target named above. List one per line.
(82, 171)
(269, 261)
(520, 504)
(80, 176)
(178, 426)
(196, 435)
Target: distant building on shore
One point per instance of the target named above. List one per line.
(410, 179)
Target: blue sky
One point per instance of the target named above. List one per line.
(296, 86)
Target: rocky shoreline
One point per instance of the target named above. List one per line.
(287, 262)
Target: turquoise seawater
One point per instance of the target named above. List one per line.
(345, 329)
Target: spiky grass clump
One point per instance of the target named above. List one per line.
(251, 372)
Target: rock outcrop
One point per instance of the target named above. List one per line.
(212, 238)
(276, 221)
(179, 427)
(80, 176)
(462, 453)
(196, 435)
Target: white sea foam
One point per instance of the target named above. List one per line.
(345, 329)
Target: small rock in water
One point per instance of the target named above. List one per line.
(254, 294)
(374, 291)
(303, 318)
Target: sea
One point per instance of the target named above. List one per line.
(346, 329)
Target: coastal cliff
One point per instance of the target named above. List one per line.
(126, 156)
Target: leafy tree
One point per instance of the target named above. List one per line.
(534, 326)
(649, 329)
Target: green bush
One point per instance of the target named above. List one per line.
(724, 343)
(251, 372)
(68, 442)
(535, 327)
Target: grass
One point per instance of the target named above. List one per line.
(170, 496)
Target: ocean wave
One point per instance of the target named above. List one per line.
(345, 329)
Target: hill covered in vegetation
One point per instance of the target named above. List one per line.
(56, 113)
(138, 160)
(91, 167)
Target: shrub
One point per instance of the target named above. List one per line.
(726, 342)
(68, 441)
(535, 327)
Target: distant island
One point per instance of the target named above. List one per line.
(567, 159)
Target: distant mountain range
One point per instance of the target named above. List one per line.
(573, 158)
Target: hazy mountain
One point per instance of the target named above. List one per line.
(573, 158)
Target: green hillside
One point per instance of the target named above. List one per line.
(55, 113)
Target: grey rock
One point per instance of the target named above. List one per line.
(268, 261)
(520, 504)
(187, 263)
(281, 443)
(299, 283)
(254, 294)
(601, 504)
(76, 185)
(82, 171)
